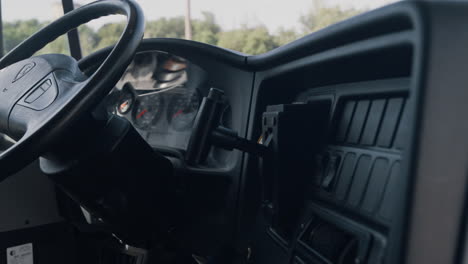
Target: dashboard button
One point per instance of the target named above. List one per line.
(34, 95)
(46, 85)
(42, 96)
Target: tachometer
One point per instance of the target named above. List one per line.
(183, 109)
(147, 111)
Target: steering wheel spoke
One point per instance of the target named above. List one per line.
(49, 87)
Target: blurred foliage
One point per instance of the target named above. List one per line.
(165, 28)
(89, 39)
(246, 39)
(15, 32)
(206, 30)
(254, 40)
(108, 34)
(284, 36)
(321, 16)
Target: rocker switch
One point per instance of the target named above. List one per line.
(38, 91)
(34, 95)
(42, 95)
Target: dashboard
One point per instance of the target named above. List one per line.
(353, 117)
(160, 94)
(347, 188)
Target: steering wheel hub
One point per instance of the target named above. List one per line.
(32, 85)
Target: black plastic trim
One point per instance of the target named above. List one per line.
(73, 37)
(191, 50)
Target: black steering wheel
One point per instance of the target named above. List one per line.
(43, 96)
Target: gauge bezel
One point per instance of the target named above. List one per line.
(125, 91)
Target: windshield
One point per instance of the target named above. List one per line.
(247, 26)
(19, 23)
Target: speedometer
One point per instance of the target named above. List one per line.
(183, 109)
(147, 111)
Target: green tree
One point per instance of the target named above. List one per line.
(320, 16)
(89, 39)
(254, 40)
(206, 30)
(250, 40)
(17, 31)
(284, 36)
(259, 41)
(60, 46)
(165, 28)
(108, 34)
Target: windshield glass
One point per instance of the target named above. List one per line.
(20, 22)
(248, 26)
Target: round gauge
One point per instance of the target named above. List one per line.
(125, 101)
(147, 111)
(183, 109)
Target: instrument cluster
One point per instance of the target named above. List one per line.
(160, 94)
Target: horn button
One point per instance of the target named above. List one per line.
(42, 95)
(29, 83)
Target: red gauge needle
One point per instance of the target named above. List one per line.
(178, 113)
(141, 114)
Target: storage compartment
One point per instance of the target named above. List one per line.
(331, 242)
(327, 239)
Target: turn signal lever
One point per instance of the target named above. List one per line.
(207, 132)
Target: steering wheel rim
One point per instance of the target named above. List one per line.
(85, 94)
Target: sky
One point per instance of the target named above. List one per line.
(229, 13)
